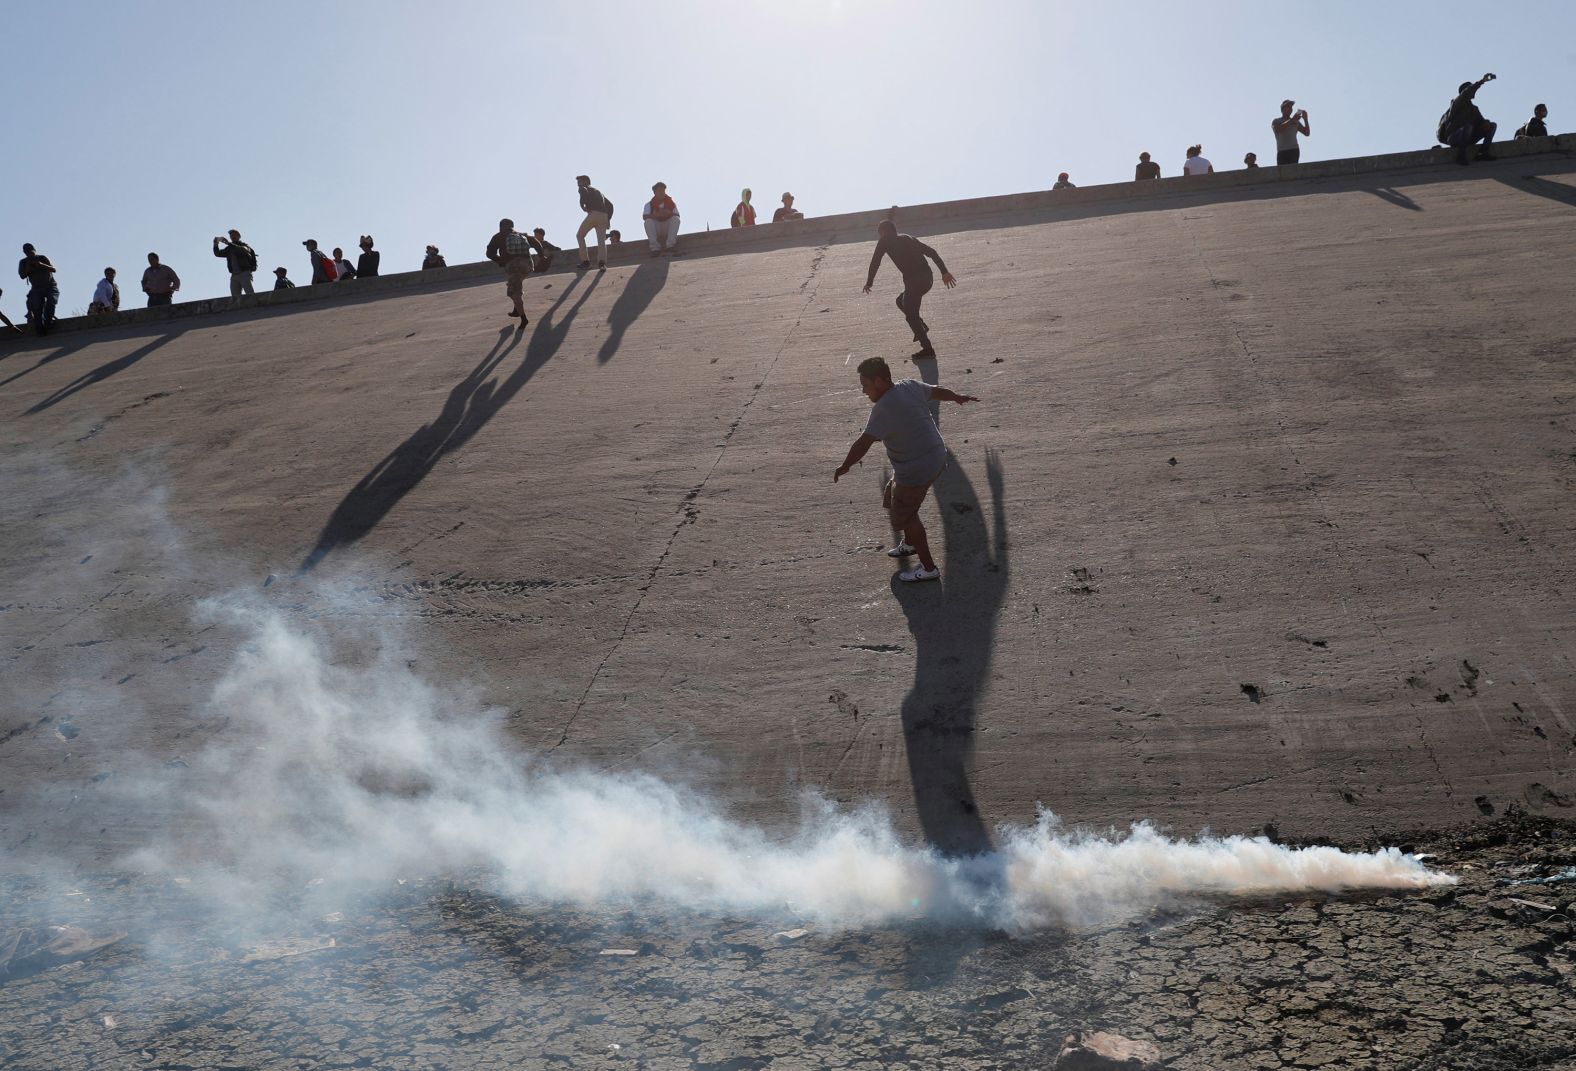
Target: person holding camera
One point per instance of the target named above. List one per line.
(1463, 126)
(1287, 127)
(240, 259)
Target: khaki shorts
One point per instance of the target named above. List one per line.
(902, 503)
(516, 270)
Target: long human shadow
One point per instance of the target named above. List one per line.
(1554, 191)
(953, 623)
(96, 375)
(643, 287)
(472, 402)
(1395, 197)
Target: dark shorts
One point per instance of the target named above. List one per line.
(902, 503)
(1288, 156)
(159, 299)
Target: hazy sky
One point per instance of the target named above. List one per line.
(138, 126)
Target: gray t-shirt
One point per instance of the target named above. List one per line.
(901, 420)
(1285, 135)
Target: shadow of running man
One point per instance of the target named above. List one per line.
(642, 289)
(96, 375)
(953, 623)
(471, 404)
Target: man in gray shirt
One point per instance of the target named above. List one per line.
(159, 282)
(900, 419)
(1286, 128)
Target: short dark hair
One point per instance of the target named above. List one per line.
(886, 226)
(875, 368)
(506, 222)
(584, 180)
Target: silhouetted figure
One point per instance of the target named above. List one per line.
(1063, 183)
(159, 282)
(106, 296)
(545, 251)
(240, 259)
(1535, 127)
(614, 239)
(282, 280)
(433, 259)
(599, 214)
(367, 263)
(1197, 163)
(1286, 128)
(909, 253)
(511, 251)
(900, 420)
(323, 270)
(1251, 161)
(661, 214)
(1146, 169)
(1463, 126)
(787, 211)
(344, 271)
(43, 292)
(744, 214)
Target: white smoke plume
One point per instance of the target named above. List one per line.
(367, 773)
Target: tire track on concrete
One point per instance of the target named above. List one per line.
(687, 511)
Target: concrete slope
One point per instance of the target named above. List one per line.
(1265, 517)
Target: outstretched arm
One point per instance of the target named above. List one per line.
(856, 454)
(946, 276)
(875, 264)
(942, 394)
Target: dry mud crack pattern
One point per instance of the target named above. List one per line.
(448, 975)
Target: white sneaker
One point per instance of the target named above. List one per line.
(918, 573)
(902, 550)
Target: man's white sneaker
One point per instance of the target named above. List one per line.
(918, 573)
(902, 550)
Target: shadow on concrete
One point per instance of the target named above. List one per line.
(643, 287)
(953, 622)
(1554, 191)
(473, 402)
(97, 375)
(1395, 197)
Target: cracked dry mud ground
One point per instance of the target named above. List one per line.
(434, 975)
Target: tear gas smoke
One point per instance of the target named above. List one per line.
(366, 773)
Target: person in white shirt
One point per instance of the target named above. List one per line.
(106, 296)
(344, 271)
(1196, 163)
(662, 220)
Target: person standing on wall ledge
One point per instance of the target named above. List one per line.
(900, 420)
(159, 282)
(240, 259)
(367, 262)
(1286, 128)
(43, 292)
(909, 253)
(323, 270)
(599, 215)
(511, 251)
(1146, 169)
(787, 212)
(744, 215)
(662, 221)
(344, 271)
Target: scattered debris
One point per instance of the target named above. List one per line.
(619, 952)
(790, 935)
(109, 1022)
(1171, 461)
(1099, 1051)
(1568, 874)
(1253, 693)
(998, 360)
(1483, 805)
(38, 948)
(269, 579)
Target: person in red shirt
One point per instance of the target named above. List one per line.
(662, 220)
(744, 215)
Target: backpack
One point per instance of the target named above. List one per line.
(326, 262)
(248, 258)
(516, 244)
(1446, 126)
